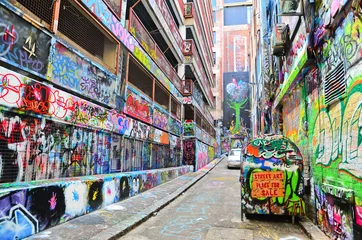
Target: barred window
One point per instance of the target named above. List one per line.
(43, 9)
(83, 31)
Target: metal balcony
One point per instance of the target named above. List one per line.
(192, 58)
(138, 30)
(191, 19)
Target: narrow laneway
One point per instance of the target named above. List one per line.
(211, 210)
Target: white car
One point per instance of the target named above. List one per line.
(235, 157)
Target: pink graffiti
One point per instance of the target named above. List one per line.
(53, 201)
(41, 99)
(34, 97)
(187, 100)
(11, 35)
(109, 191)
(123, 35)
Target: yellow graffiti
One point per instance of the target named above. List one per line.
(264, 232)
(30, 49)
(95, 194)
(296, 207)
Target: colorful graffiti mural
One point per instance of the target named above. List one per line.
(189, 151)
(334, 131)
(174, 126)
(225, 145)
(236, 101)
(74, 72)
(26, 212)
(272, 177)
(202, 157)
(23, 94)
(175, 151)
(160, 118)
(34, 149)
(22, 44)
(137, 106)
(189, 128)
(334, 213)
(100, 9)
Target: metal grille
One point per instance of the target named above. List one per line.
(41, 8)
(335, 84)
(78, 28)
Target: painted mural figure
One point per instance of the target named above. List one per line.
(238, 97)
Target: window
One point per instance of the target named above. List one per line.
(236, 15)
(138, 77)
(214, 16)
(214, 37)
(189, 112)
(214, 57)
(42, 9)
(235, 152)
(198, 119)
(214, 3)
(78, 27)
(162, 97)
(175, 108)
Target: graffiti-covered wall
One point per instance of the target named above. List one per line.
(202, 157)
(236, 102)
(335, 131)
(328, 133)
(43, 205)
(19, 42)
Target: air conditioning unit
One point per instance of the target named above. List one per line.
(280, 39)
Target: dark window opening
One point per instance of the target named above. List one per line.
(172, 13)
(162, 97)
(79, 28)
(139, 78)
(189, 112)
(198, 119)
(175, 108)
(203, 125)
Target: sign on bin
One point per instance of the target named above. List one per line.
(267, 184)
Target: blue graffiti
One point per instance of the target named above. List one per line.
(18, 224)
(187, 227)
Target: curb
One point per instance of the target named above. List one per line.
(311, 230)
(121, 229)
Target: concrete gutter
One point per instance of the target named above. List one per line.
(311, 229)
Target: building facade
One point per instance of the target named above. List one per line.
(231, 51)
(307, 58)
(100, 100)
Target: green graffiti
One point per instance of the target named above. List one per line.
(189, 128)
(238, 98)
